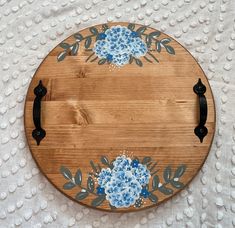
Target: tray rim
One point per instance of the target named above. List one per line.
(126, 210)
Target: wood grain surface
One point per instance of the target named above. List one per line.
(93, 110)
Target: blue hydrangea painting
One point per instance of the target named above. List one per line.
(119, 45)
(124, 182)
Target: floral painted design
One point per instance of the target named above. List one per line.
(119, 45)
(124, 182)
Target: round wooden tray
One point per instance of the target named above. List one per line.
(114, 116)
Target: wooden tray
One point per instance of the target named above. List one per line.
(116, 128)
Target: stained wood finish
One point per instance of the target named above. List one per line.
(92, 110)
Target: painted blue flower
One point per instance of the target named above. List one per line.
(123, 189)
(122, 163)
(142, 174)
(134, 34)
(100, 190)
(135, 163)
(120, 43)
(144, 192)
(101, 36)
(104, 177)
(124, 183)
(109, 57)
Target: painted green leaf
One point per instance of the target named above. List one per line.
(96, 38)
(167, 174)
(64, 45)
(78, 177)
(165, 190)
(81, 195)
(148, 41)
(78, 36)
(61, 56)
(158, 46)
(65, 172)
(102, 61)
(165, 40)
(141, 29)
(153, 198)
(111, 164)
(136, 158)
(177, 184)
(90, 184)
(93, 166)
(131, 26)
(87, 42)
(74, 49)
(146, 160)
(68, 185)
(155, 182)
(97, 201)
(155, 34)
(104, 160)
(139, 62)
(180, 171)
(131, 59)
(170, 49)
(93, 30)
(105, 27)
(112, 161)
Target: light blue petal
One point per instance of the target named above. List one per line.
(120, 44)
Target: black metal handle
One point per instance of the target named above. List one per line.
(201, 130)
(38, 133)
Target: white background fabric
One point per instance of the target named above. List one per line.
(29, 29)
